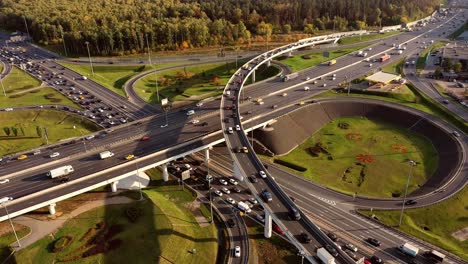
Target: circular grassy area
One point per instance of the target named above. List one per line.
(367, 157)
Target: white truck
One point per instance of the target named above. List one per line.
(61, 171)
(244, 207)
(409, 249)
(324, 256)
(106, 154)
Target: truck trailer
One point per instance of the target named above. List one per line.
(106, 154)
(384, 58)
(290, 76)
(60, 172)
(324, 256)
(409, 249)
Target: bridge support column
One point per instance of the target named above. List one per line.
(207, 155)
(237, 172)
(165, 172)
(267, 231)
(253, 76)
(336, 40)
(290, 53)
(114, 186)
(52, 209)
(268, 63)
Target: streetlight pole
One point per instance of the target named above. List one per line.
(208, 178)
(27, 29)
(412, 164)
(63, 41)
(139, 181)
(89, 56)
(3, 201)
(155, 72)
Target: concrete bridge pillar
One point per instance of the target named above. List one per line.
(253, 76)
(290, 53)
(336, 40)
(268, 63)
(267, 230)
(52, 208)
(114, 186)
(207, 155)
(237, 172)
(165, 172)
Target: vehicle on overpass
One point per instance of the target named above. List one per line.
(409, 249)
(60, 171)
(324, 256)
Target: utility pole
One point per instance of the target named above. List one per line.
(3, 202)
(27, 29)
(63, 41)
(208, 178)
(155, 71)
(412, 164)
(89, 56)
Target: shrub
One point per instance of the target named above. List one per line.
(290, 165)
(133, 214)
(343, 125)
(62, 243)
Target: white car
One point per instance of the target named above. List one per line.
(455, 133)
(233, 181)
(195, 121)
(351, 247)
(223, 181)
(190, 112)
(237, 252)
(306, 88)
(4, 181)
(54, 155)
(262, 174)
(308, 78)
(89, 137)
(200, 104)
(253, 200)
(218, 193)
(8, 109)
(226, 190)
(230, 200)
(238, 128)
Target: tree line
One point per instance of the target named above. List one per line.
(116, 27)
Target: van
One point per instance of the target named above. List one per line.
(294, 214)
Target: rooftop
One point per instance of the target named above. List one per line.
(456, 53)
(382, 77)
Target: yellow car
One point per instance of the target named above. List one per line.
(22, 157)
(129, 157)
(245, 150)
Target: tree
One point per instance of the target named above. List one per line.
(286, 29)
(309, 29)
(457, 67)
(39, 131)
(15, 131)
(7, 131)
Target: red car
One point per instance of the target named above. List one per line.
(278, 229)
(145, 138)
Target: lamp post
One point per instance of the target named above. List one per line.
(27, 29)
(63, 41)
(412, 164)
(155, 71)
(208, 178)
(3, 201)
(3, 87)
(89, 56)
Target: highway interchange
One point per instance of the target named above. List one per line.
(180, 129)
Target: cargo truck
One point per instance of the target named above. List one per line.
(384, 58)
(409, 249)
(60, 172)
(106, 154)
(244, 207)
(289, 76)
(324, 256)
(332, 62)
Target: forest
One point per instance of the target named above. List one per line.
(118, 27)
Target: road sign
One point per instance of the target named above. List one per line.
(185, 174)
(164, 102)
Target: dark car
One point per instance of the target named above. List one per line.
(267, 197)
(373, 241)
(253, 179)
(65, 179)
(410, 202)
(236, 189)
(331, 250)
(294, 214)
(332, 236)
(305, 238)
(376, 260)
(231, 222)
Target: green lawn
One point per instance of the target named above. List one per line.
(434, 224)
(41, 96)
(357, 39)
(187, 83)
(298, 63)
(1, 67)
(384, 175)
(59, 126)
(421, 61)
(166, 232)
(18, 81)
(395, 67)
(8, 237)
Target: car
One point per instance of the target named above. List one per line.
(445, 101)
(373, 241)
(145, 138)
(223, 181)
(251, 205)
(324, 85)
(229, 130)
(331, 250)
(410, 202)
(233, 181)
(332, 236)
(352, 255)
(366, 261)
(305, 238)
(307, 78)
(306, 88)
(253, 179)
(54, 155)
(376, 260)
(164, 125)
(284, 94)
(262, 174)
(226, 190)
(238, 128)
(237, 252)
(260, 218)
(278, 229)
(267, 197)
(351, 247)
(22, 157)
(217, 192)
(236, 190)
(455, 133)
(231, 223)
(129, 157)
(64, 179)
(4, 181)
(253, 200)
(245, 149)
(195, 121)
(89, 137)
(230, 200)
(200, 104)
(190, 112)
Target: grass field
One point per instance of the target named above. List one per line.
(41, 96)
(382, 172)
(435, 224)
(357, 39)
(187, 83)
(298, 63)
(59, 126)
(18, 81)
(166, 232)
(395, 67)
(7, 237)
